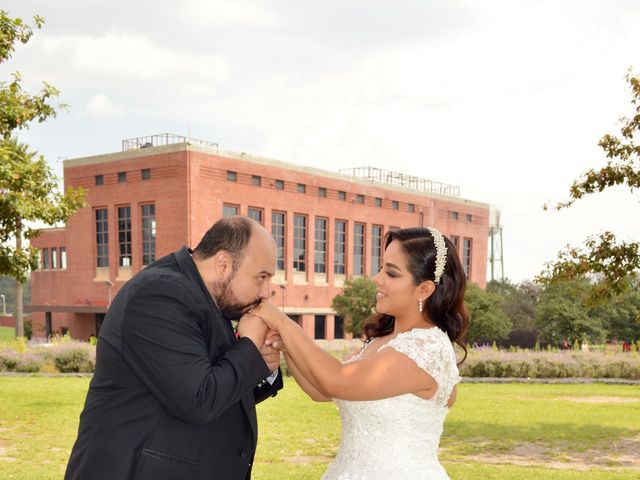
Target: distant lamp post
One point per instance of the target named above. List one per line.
(4, 306)
(283, 287)
(110, 284)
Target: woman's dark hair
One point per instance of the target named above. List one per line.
(445, 307)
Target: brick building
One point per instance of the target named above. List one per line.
(163, 192)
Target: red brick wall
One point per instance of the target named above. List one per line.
(189, 188)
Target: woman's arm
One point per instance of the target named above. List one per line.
(386, 374)
(305, 385)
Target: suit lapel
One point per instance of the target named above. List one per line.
(186, 263)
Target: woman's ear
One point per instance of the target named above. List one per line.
(426, 289)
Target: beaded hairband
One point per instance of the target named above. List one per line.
(441, 253)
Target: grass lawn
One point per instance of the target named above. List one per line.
(7, 334)
(495, 432)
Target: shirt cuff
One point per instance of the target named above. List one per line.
(272, 378)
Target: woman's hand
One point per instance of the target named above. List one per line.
(271, 315)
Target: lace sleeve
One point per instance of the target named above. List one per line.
(433, 352)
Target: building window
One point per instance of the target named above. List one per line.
(455, 239)
(342, 195)
(320, 321)
(299, 242)
(320, 257)
(256, 180)
(340, 247)
(230, 210)
(146, 173)
(469, 217)
(255, 213)
(122, 177)
(232, 176)
(411, 208)
(124, 236)
(102, 237)
(54, 258)
(359, 198)
(395, 204)
(454, 215)
(45, 259)
(338, 329)
(466, 257)
(322, 192)
(63, 258)
(301, 188)
(148, 234)
(376, 249)
(358, 249)
(378, 202)
(278, 231)
(99, 179)
(279, 184)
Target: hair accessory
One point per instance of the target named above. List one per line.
(441, 253)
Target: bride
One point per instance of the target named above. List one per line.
(394, 395)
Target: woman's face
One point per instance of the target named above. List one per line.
(397, 293)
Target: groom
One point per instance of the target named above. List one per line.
(174, 391)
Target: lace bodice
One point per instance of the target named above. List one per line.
(397, 438)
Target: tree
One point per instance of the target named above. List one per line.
(28, 186)
(488, 322)
(621, 317)
(563, 313)
(520, 306)
(356, 303)
(610, 261)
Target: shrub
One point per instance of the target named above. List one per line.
(567, 364)
(73, 360)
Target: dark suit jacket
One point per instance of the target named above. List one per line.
(174, 391)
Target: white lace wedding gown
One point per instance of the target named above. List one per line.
(397, 438)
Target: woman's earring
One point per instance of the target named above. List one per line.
(420, 305)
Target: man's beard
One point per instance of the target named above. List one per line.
(229, 305)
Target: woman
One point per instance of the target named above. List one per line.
(394, 395)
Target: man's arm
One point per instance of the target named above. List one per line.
(164, 345)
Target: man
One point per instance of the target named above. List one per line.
(174, 392)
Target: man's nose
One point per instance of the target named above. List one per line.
(264, 291)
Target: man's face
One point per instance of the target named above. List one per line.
(250, 282)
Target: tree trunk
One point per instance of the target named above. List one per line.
(19, 319)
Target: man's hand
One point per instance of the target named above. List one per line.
(269, 352)
(252, 327)
(273, 339)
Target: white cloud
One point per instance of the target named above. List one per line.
(125, 56)
(100, 105)
(227, 13)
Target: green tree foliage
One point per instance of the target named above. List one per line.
(611, 261)
(563, 313)
(488, 321)
(356, 303)
(621, 317)
(28, 186)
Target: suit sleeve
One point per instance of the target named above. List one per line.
(265, 390)
(165, 347)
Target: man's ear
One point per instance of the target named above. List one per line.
(222, 264)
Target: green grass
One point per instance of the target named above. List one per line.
(7, 334)
(39, 418)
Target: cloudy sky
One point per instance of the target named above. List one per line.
(506, 99)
